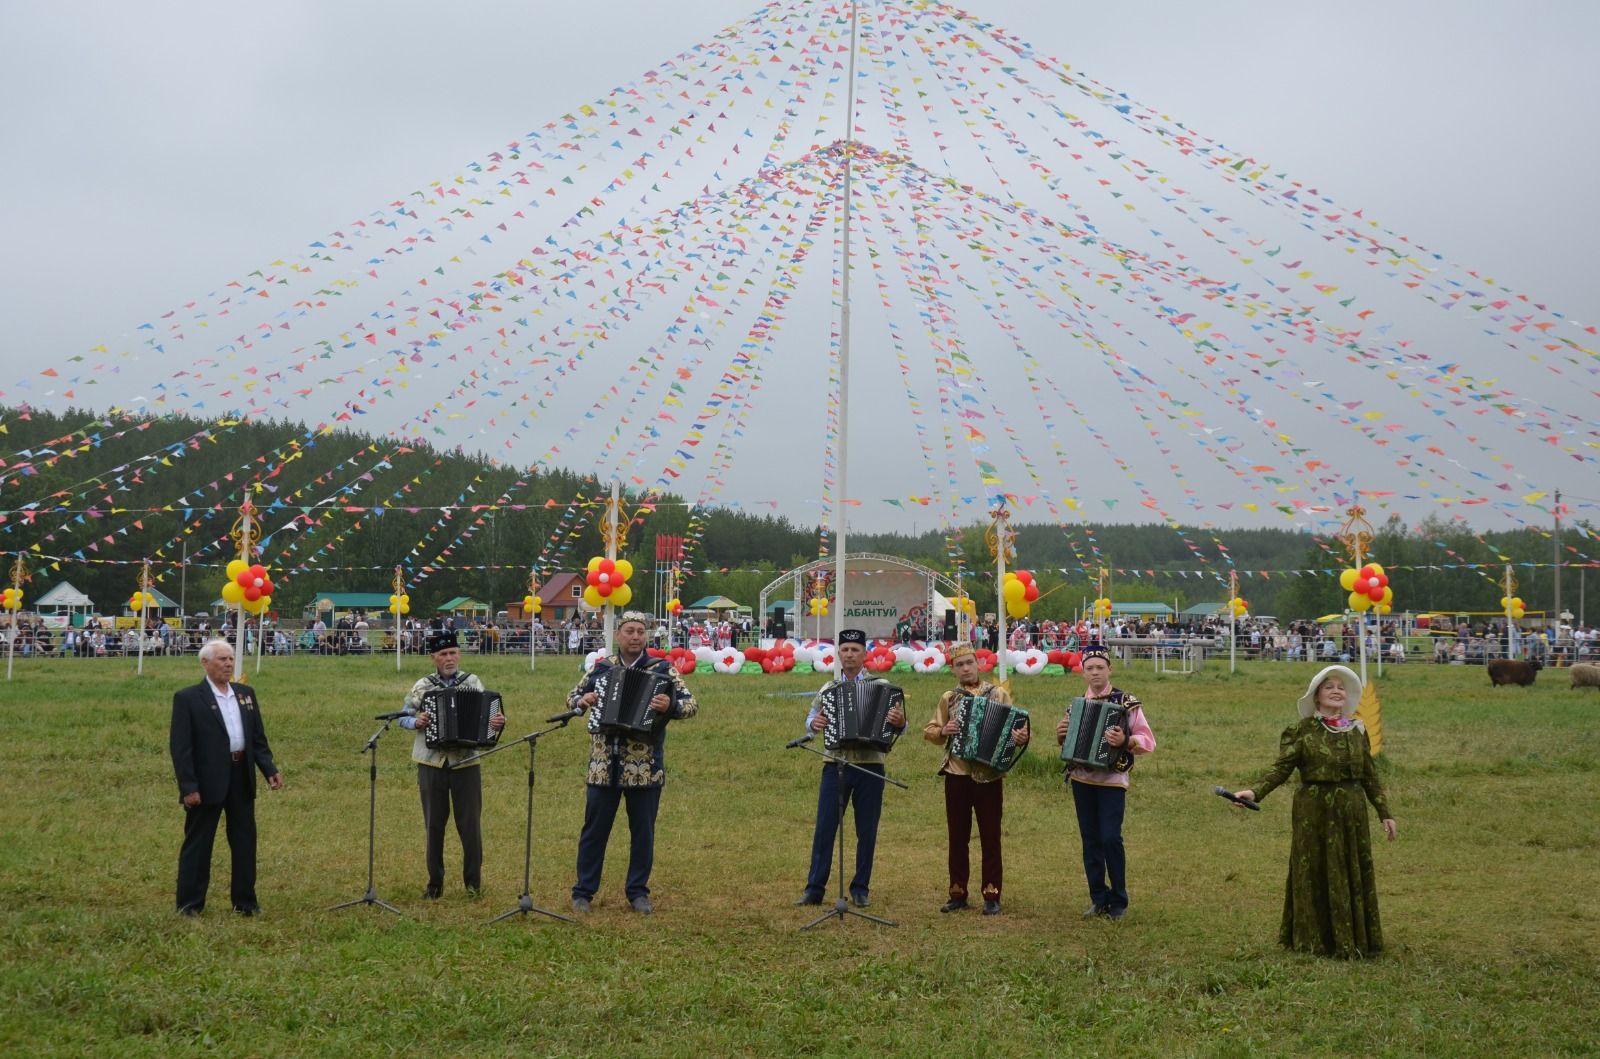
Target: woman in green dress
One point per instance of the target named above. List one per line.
(1330, 903)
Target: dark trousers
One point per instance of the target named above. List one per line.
(1105, 864)
(867, 793)
(200, 834)
(462, 788)
(964, 798)
(599, 813)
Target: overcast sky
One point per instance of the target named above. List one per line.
(153, 150)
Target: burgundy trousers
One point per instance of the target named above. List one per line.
(963, 799)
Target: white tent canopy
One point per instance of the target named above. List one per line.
(64, 597)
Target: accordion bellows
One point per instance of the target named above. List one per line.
(1086, 744)
(458, 718)
(983, 735)
(858, 714)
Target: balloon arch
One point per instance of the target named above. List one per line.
(881, 591)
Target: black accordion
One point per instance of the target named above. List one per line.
(983, 732)
(458, 718)
(1086, 745)
(624, 702)
(858, 714)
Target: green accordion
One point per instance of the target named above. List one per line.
(1085, 745)
(983, 732)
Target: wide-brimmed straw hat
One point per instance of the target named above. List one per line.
(1352, 691)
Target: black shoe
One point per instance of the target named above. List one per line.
(1094, 910)
(580, 905)
(642, 905)
(1115, 914)
(808, 899)
(955, 904)
(247, 910)
(431, 893)
(860, 900)
(991, 906)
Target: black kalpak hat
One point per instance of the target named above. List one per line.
(852, 636)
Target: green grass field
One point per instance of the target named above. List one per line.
(1489, 899)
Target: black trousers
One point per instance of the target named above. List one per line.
(200, 834)
(463, 788)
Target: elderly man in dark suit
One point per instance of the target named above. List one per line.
(217, 740)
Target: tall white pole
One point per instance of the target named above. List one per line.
(1233, 621)
(613, 521)
(16, 583)
(1002, 537)
(399, 615)
(533, 617)
(248, 530)
(144, 591)
(1511, 607)
(261, 634)
(1361, 616)
(841, 501)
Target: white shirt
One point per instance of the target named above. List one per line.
(228, 703)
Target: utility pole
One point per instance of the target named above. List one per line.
(1557, 607)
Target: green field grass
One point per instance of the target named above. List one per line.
(1489, 898)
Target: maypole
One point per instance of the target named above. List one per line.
(397, 607)
(531, 609)
(841, 502)
(13, 603)
(1356, 534)
(144, 609)
(999, 538)
(1233, 621)
(244, 532)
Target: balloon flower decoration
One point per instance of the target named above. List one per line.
(1238, 607)
(1019, 591)
(608, 582)
(1369, 589)
(532, 605)
(248, 586)
(1510, 604)
(140, 600)
(819, 607)
(1102, 608)
(11, 599)
(400, 604)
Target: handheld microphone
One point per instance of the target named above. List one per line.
(395, 716)
(802, 741)
(1223, 792)
(576, 711)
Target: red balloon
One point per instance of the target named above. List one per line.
(252, 593)
(655, 652)
(603, 590)
(1025, 576)
(266, 587)
(606, 566)
(1032, 593)
(754, 654)
(244, 580)
(1375, 593)
(685, 664)
(258, 570)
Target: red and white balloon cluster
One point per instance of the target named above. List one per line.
(1369, 589)
(1019, 591)
(248, 586)
(607, 582)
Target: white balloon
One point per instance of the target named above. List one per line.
(928, 662)
(706, 655)
(823, 661)
(902, 653)
(591, 658)
(729, 661)
(1032, 663)
(943, 658)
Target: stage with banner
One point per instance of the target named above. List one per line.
(882, 593)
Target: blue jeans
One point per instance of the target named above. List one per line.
(1105, 863)
(867, 791)
(599, 812)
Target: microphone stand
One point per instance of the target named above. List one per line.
(371, 896)
(841, 908)
(525, 902)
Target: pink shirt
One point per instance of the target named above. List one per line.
(1141, 740)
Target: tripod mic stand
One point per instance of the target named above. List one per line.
(841, 908)
(371, 896)
(525, 902)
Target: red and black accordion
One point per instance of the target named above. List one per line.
(624, 706)
(858, 714)
(1085, 745)
(984, 730)
(458, 718)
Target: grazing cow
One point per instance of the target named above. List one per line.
(1513, 671)
(1586, 675)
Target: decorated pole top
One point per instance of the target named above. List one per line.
(1356, 533)
(1000, 533)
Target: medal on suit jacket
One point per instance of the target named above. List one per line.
(246, 702)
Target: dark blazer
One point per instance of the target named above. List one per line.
(199, 741)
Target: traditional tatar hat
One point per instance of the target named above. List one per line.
(634, 615)
(960, 649)
(1094, 650)
(852, 636)
(1352, 691)
(442, 640)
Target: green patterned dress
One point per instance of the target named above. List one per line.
(1330, 903)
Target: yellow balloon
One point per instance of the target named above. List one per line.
(1014, 591)
(1347, 579)
(594, 563)
(232, 593)
(624, 569)
(1359, 602)
(1376, 568)
(1388, 596)
(621, 596)
(593, 598)
(237, 567)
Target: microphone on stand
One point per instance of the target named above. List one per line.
(395, 716)
(562, 718)
(802, 741)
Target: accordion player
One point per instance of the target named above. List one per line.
(984, 732)
(458, 718)
(1085, 744)
(858, 714)
(624, 702)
